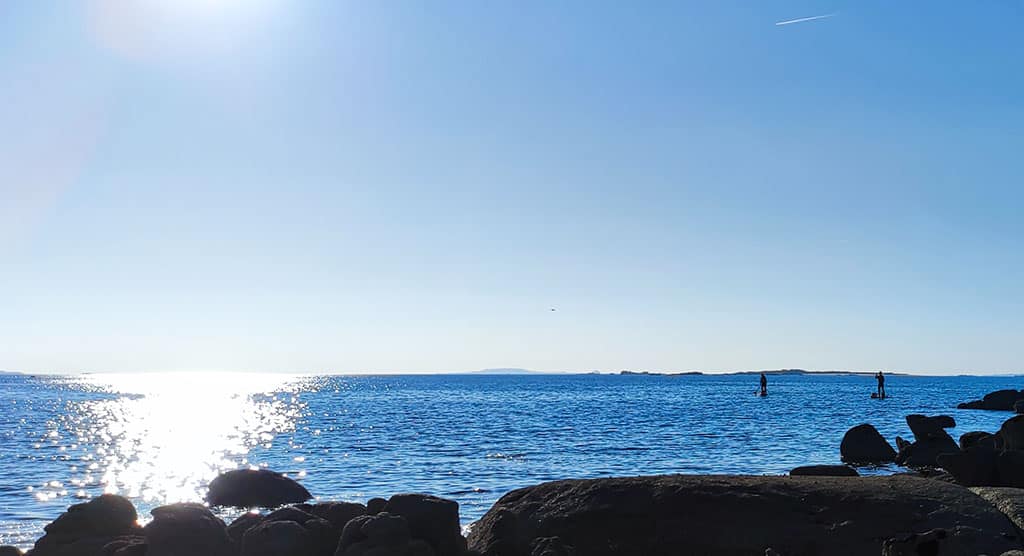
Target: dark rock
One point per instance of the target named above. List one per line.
(863, 445)
(125, 546)
(323, 536)
(824, 471)
(925, 427)
(85, 528)
(551, 546)
(186, 529)
(433, 519)
(353, 532)
(248, 488)
(290, 513)
(975, 466)
(902, 444)
(381, 534)
(679, 514)
(1012, 433)
(10, 551)
(1018, 406)
(973, 438)
(924, 453)
(1010, 501)
(375, 505)
(276, 538)
(1010, 467)
(1000, 400)
(385, 528)
(937, 542)
(338, 513)
(241, 524)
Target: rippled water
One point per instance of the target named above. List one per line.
(162, 438)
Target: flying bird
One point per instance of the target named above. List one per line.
(803, 19)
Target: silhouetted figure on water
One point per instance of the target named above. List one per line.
(764, 385)
(881, 385)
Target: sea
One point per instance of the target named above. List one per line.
(160, 438)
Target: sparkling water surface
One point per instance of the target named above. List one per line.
(160, 438)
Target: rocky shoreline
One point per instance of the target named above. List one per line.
(961, 497)
(654, 515)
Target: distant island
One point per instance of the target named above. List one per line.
(767, 372)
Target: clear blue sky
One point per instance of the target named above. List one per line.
(412, 186)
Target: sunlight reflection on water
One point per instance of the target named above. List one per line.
(167, 435)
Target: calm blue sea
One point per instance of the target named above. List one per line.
(160, 438)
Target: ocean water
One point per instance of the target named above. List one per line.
(160, 438)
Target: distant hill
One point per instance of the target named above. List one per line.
(509, 371)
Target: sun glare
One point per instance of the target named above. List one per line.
(165, 436)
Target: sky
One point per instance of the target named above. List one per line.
(411, 186)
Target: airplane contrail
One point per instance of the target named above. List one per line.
(803, 19)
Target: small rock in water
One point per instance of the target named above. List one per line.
(248, 488)
(864, 445)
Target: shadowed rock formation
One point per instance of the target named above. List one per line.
(669, 515)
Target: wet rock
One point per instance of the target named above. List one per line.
(186, 529)
(1018, 406)
(679, 514)
(1000, 400)
(276, 538)
(10, 551)
(249, 488)
(1012, 433)
(975, 466)
(975, 438)
(824, 471)
(241, 524)
(863, 445)
(433, 519)
(925, 427)
(85, 528)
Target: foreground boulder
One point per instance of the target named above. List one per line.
(863, 445)
(186, 529)
(1000, 400)
(249, 488)
(669, 515)
(86, 528)
(432, 519)
(381, 534)
(824, 471)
